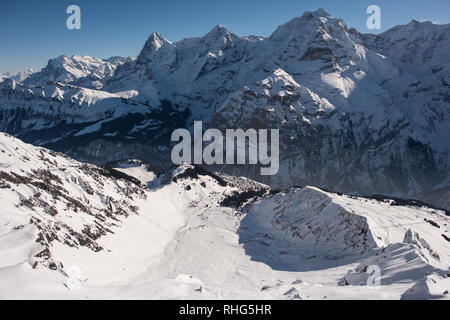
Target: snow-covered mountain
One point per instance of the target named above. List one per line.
(73, 230)
(352, 118)
(18, 77)
(82, 71)
(77, 120)
(364, 114)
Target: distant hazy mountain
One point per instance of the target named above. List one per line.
(18, 77)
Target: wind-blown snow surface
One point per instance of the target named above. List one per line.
(192, 234)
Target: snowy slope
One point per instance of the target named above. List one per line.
(71, 230)
(59, 213)
(142, 171)
(320, 228)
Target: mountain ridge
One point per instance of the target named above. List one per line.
(358, 113)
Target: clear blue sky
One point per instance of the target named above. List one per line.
(31, 32)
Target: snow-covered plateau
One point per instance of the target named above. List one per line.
(71, 230)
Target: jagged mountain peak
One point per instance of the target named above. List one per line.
(219, 30)
(58, 60)
(153, 43)
(156, 40)
(308, 25)
(218, 38)
(319, 13)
